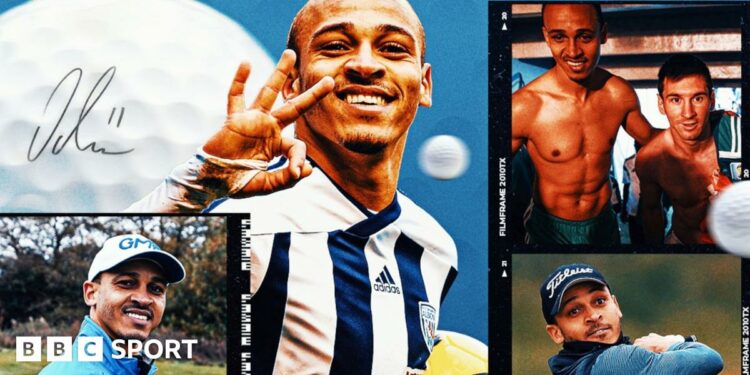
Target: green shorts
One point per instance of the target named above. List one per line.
(545, 229)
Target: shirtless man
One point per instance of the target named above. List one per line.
(568, 119)
(691, 161)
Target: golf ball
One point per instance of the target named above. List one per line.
(145, 80)
(729, 219)
(444, 157)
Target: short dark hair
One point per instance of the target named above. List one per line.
(597, 9)
(683, 65)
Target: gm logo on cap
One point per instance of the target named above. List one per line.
(128, 243)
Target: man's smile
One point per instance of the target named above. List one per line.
(365, 94)
(140, 315)
(576, 64)
(369, 99)
(365, 99)
(689, 125)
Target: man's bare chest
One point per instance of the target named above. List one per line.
(690, 182)
(564, 132)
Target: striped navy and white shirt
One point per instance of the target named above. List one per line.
(339, 289)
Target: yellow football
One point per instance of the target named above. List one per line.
(457, 354)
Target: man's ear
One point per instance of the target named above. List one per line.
(554, 332)
(292, 86)
(712, 102)
(90, 292)
(661, 104)
(619, 312)
(603, 34)
(425, 90)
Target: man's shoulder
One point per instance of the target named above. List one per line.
(314, 204)
(627, 359)
(653, 154)
(614, 359)
(526, 105)
(528, 98)
(76, 367)
(618, 358)
(423, 229)
(619, 349)
(535, 92)
(617, 87)
(616, 82)
(656, 146)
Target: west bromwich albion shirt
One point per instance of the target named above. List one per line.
(339, 289)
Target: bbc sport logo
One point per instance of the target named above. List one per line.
(91, 349)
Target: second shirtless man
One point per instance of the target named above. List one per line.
(692, 161)
(568, 118)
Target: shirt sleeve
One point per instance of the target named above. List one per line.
(687, 358)
(193, 185)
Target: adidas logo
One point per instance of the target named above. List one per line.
(385, 283)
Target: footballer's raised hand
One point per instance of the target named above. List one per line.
(255, 132)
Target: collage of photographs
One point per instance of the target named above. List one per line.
(373, 187)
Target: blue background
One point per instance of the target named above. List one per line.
(457, 49)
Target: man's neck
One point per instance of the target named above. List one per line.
(691, 148)
(370, 179)
(580, 90)
(95, 318)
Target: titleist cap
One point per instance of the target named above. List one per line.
(554, 286)
(120, 249)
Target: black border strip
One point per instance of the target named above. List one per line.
(499, 117)
(238, 283)
(745, 128)
(745, 317)
(745, 67)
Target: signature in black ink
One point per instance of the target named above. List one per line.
(61, 141)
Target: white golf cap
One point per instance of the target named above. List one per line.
(120, 249)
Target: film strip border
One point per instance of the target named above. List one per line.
(745, 121)
(499, 117)
(745, 126)
(745, 325)
(239, 332)
(502, 247)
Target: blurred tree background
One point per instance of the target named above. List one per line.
(45, 260)
(686, 294)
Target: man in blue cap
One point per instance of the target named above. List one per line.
(584, 316)
(126, 291)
